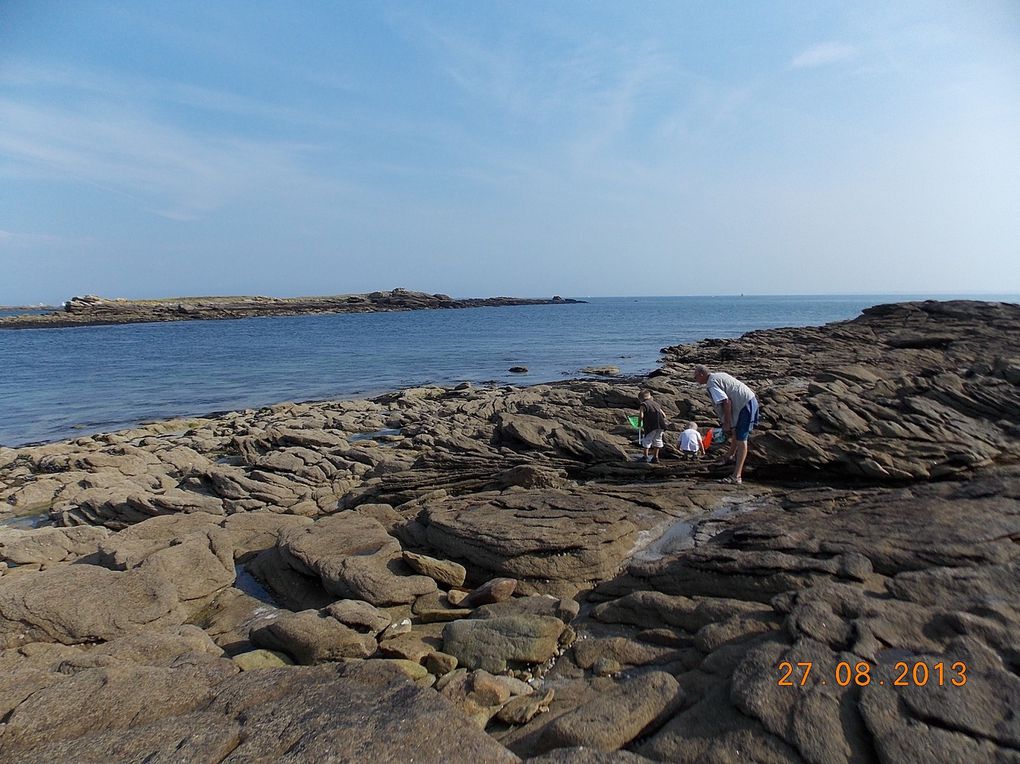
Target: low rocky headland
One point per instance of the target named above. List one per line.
(96, 311)
(486, 574)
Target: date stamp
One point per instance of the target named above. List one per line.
(863, 673)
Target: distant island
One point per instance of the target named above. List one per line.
(91, 310)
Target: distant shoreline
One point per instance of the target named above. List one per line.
(98, 311)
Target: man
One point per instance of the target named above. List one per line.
(737, 408)
(653, 422)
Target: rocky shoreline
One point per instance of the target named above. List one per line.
(97, 311)
(486, 574)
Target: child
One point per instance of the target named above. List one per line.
(691, 444)
(653, 422)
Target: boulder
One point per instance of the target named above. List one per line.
(312, 638)
(617, 717)
(442, 571)
(355, 558)
(493, 643)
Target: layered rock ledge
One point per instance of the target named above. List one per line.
(485, 574)
(93, 311)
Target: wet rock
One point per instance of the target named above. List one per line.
(230, 618)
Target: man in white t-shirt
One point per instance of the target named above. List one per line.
(737, 408)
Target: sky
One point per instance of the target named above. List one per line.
(287, 147)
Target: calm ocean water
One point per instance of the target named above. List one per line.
(63, 383)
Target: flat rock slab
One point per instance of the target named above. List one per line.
(365, 713)
(565, 537)
(48, 545)
(361, 712)
(617, 716)
(84, 603)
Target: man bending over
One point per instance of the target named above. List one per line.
(737, 407)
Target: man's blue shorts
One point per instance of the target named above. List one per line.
(747, 420)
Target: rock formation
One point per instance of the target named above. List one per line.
(483, 574)
(91, 310)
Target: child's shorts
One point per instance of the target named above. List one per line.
(652, 439)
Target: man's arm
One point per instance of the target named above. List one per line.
(727, 415)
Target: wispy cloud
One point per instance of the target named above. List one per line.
(822, 54)
(11, 239)
(136, 151)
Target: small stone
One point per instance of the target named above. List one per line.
(495, 590)
(440, 664)
(523, 709)
(443, 614)
(606, 667)
(414, 671)
(453, 676)
(403, 626)
(456, 596)
(261, 659)
(406, 646)
(487, 690)
(441, 571)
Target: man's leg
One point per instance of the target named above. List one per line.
(741, 433)
(741, 454)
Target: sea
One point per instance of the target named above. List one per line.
(58, 384)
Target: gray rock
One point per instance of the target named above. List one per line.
(84, 603)
(492, 643)
(354, 557)
(49, 545)
(617, 717)
(313, 638)
(442, 571)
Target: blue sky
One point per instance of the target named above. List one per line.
(477, 148)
